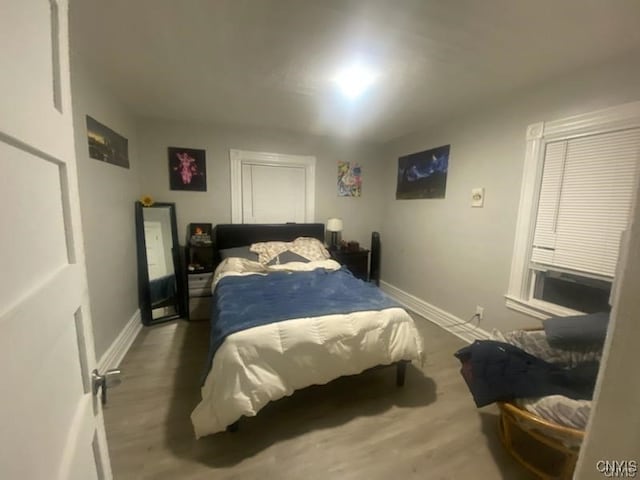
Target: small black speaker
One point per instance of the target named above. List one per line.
(374, 268)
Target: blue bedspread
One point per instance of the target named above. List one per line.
(162, 288)
(243, 302)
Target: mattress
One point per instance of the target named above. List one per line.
(262, 364)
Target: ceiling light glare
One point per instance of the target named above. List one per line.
(355, 80)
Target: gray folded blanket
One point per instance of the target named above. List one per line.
(578, 331)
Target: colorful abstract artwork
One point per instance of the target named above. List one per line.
(349, 179)
(187, 169)
(423, 174)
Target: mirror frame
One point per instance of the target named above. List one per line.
(144, 290)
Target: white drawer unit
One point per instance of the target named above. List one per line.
(199, 284)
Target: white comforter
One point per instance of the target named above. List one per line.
(261, 364)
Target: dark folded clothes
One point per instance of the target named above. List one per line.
(496, 371)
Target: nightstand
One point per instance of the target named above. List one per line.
(200, 260)
(356, 261)
(199, 288)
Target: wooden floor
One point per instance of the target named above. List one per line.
(359, 427)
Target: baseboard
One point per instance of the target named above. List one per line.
(449, 322)
(120, 346)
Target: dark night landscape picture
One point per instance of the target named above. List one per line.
(106, 145)
(423, 174)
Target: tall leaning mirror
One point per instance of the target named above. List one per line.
(160, 283)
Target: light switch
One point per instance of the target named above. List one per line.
(477, 197)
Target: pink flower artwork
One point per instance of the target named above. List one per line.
(187, 169)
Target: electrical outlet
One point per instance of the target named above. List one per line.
(480, 312)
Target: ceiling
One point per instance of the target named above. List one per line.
(270, 63)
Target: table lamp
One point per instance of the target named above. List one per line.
(334, 225)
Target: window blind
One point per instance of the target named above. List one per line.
(585, 201)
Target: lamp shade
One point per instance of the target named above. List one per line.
(334, 225)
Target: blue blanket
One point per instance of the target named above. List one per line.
(243, 302)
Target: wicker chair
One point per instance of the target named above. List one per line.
(565, 441)
(525, 435)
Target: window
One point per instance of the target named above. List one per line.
(588, 295)
(578, 186)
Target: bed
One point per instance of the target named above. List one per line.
(333, 325)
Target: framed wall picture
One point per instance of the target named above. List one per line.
(423, 174)
(187, 169)
(349, 179)
(106, 145)
(200, 234)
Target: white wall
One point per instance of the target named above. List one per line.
(361, 215)
(613, 432)
(107, 196)
(454, 256)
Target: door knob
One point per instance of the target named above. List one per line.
(110, 379)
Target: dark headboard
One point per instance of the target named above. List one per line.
(240, 234)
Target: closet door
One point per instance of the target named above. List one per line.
(273, 194)
(272, 187)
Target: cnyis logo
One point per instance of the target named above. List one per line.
(618, 468)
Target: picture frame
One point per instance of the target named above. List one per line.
(106, 145)
(187, 169)
(349, 179)
(423, 174)
(200, 234)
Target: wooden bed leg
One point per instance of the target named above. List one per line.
(401, 368)
(234, 427)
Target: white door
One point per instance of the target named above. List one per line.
(273, 194)
(51, 425)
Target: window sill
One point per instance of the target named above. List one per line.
(538, 309)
